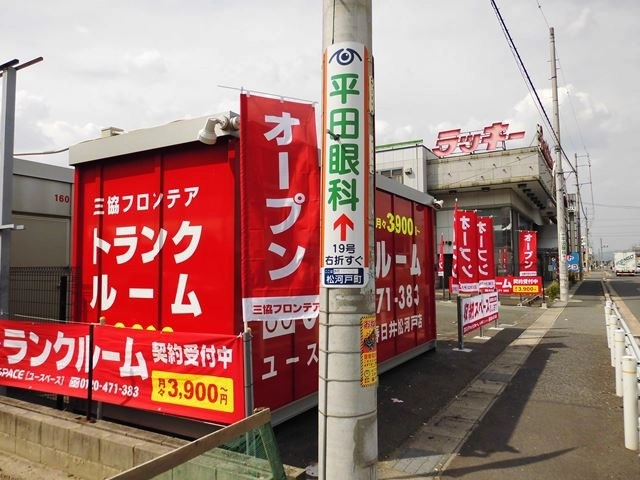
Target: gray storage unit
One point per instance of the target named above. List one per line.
(42, 202)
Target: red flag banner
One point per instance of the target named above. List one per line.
(467, 246)
(441, 256)
(486, 263)
(453, 280)
(179, 373)
(280, 189)
(528, 253)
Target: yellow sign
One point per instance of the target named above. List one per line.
(368, 353)
(200, 391)
(526, 289)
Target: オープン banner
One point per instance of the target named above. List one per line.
(279, 189)
(486, 262)
(466, 235)
(528, 253)
(187, 374)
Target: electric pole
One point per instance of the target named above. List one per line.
(7, 132)
(347, 395)
(560, 210)
(7, 123)
(578, 222)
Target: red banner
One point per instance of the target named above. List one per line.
(453, 279)
(528, 253)
(519, 285)
(187, 374)
(467, 245)
(279, 188)
(441, 256)
(486, 263)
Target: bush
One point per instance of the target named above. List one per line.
(553, 291)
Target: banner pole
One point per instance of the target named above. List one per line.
(248, 372)
(90, 373)
(460, 329)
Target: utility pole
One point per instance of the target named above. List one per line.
(7, 123)
(560, 210)
(579, 232)
(347, 390)
(7, 133)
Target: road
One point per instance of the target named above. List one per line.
(627, 290)
(412, 393)
(559, 416)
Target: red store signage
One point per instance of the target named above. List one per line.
(187, 374)
(468, 142)
(511, 285)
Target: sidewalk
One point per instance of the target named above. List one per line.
(543, 405)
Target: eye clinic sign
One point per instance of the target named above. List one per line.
(345, 167)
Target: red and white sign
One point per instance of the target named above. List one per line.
(511, 285)
(285, 353)
(344, 211)
(441, 256)
(156, 188)
(187, 374)
(404, 274)
(478, 310)
(466, 232)
(468, 142)
(154, 239)
(279, 187)
(528, 253)
(454, 287)
(486, 264)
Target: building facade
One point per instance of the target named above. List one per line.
(514, 186)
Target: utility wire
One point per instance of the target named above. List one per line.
(528, 80)
(575, 117)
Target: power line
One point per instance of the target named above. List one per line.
(573, 111)
(608, 205)
(528, 80)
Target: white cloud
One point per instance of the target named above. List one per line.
(581, 22)
(438, 66)
(150, 62)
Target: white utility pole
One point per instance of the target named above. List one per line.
(560, 211)
(347, 410)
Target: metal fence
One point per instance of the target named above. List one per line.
(41, 293)
(625, 358)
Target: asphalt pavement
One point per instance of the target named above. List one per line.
(533, 398)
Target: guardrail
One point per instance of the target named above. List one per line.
(625, 358)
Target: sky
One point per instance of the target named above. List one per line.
(438, 65)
